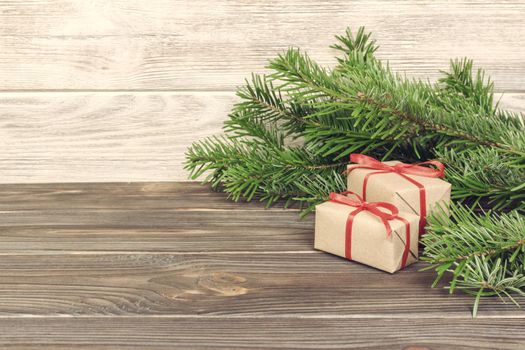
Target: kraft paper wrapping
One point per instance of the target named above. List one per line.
(393, 188)
(370, 244)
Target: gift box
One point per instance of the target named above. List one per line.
(410, 187)
(375, 234)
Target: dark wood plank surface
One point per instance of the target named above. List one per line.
(238, 284)
(197, 239)
(129, 196)
(280, 333)
(176, 265)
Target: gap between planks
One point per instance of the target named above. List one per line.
(269, 317)
(203, 91)
(138, 252)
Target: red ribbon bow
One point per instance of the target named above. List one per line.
(403, 170)
(373, 208)
(400, 168)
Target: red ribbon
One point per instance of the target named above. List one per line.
(402, 170)
(373, 208)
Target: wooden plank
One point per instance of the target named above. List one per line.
(105, 333)
(270, 284)
(174, 199)
(137, 195)
(79, 137)
(179, 45)
(161, 218)
(202, 239)
(514, 102)
(104, 136)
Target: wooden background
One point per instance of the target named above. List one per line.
(116, 90)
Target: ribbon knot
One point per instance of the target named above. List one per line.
(375, 208)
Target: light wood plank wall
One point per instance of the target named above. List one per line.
(116, 90)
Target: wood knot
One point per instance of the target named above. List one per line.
(226, 284)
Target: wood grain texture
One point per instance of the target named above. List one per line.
(77, 137)
(286, 284)
(214, 45)
(514, 102)
(112, 136)
(112, 200)
(113, 196)
(135, 266)
(105, 333)
(117, 90)
(203, 239)
(159, 218)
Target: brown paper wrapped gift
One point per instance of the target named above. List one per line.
(410, 187)
(375, 234)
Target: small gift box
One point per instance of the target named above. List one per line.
(374, 234)
(410, 187)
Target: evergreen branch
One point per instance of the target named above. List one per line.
(485, 277)
(483, 253)
(484, 176)
(461, 80)
(360, 43)
(245, 171)
(262, 101)
(401, 104)
(427, 124)
(466, 234)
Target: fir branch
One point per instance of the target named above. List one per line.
(486, 177)
(351, 44)
(483, 253)
(263, 172)
(260, 100)
(461, 80)
(392, 101)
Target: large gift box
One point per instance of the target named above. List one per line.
(375, 234)
(410, 187)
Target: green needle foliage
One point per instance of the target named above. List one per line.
(485, 253)
(289, 137)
